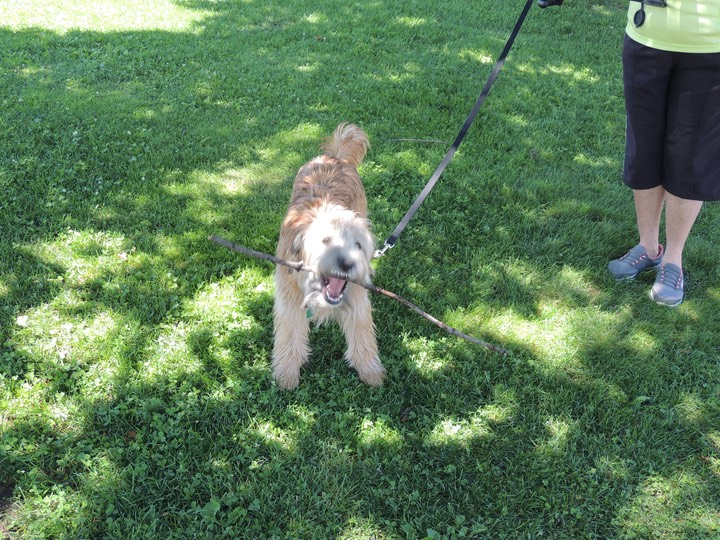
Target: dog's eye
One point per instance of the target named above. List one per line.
(326, 240)
(358, 245)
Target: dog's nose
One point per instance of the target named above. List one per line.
(345, 264)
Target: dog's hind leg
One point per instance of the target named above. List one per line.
(362, 350)
(290, 349)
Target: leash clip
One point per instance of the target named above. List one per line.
(380, 252)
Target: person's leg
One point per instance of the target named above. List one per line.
(646, 73)
(647, 255)
(692, 147)
(680, 215)
(648, 208)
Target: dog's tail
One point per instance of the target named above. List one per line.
(348, 144)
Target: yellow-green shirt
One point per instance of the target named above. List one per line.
(683, 26)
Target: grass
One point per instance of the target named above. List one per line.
(135, 394)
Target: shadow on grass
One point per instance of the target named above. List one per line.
(205, 139)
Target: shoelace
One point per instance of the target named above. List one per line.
(670, 274)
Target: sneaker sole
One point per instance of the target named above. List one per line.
(633, 276)
(663, 303)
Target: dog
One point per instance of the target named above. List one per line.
(327, 229)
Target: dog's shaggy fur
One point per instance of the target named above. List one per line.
(326, 227)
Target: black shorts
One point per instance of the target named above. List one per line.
(672, 102)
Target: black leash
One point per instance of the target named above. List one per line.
(393, 238)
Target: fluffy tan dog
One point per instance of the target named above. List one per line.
(326, 227)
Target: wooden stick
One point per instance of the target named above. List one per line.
(301, 268)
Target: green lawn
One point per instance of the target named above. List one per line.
(136, 399)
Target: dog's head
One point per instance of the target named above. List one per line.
(337, 246)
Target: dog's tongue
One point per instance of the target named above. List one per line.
(335, 287)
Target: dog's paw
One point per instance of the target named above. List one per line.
(287, 379)
(372, 373)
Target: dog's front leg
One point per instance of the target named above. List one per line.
(290, 349)
(362, 350)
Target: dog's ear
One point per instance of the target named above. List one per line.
(295, 250)
(295, 228)
(370, 240)
(296, 246)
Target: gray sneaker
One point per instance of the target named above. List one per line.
(668, 288)
(633, 262)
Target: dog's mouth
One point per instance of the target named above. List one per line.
(333, 289)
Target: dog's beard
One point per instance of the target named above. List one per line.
(338, 252)
(328, 286)
(333, 289)
(325, 292)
